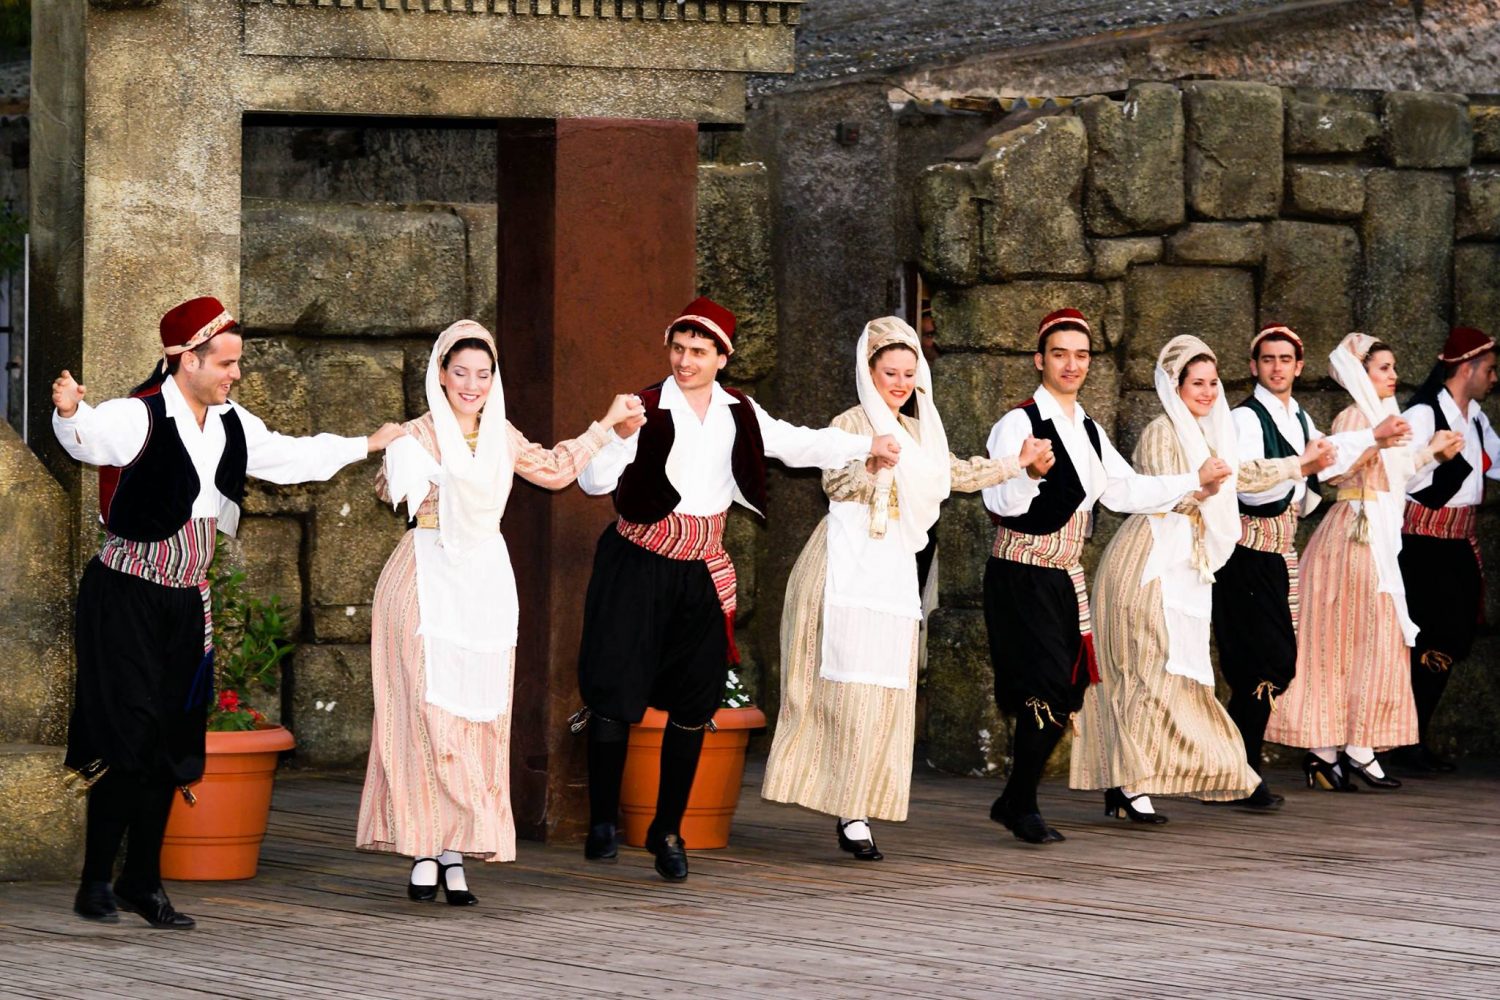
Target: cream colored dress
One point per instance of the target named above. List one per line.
(436, 781)
(1143, 728)
(845, 748)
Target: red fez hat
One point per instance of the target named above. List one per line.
(707, 317)
(193, 323)
(1280, 330)
(1069, 318)
(1464, 343)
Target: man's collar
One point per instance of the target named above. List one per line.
(672, 397)
(1047, 406)
(1266, 396)
(1446, 397)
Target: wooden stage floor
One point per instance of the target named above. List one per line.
(1391, 894)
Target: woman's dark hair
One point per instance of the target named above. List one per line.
(468, 344)
(1182, 375)
(896, 346)
(1375, 349)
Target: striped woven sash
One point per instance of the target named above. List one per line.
(1063, 549)
(1277, 535)
(691, 537)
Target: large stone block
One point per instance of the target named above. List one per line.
(1427, 130)
(1321, 128)
(1162, 301)
(335, 733)
(734, 260)
(274, 387)
(345, 269)
(269, 550)
(36, 598)
(1407, 230)
(1234, 143)
(1478, 194)
(1324, 191)
(41, 815)
(1476, 287)
(966, 734)
(1310, 283)
(1032, 180)
(341, 623)
(1485, 122)
(742, 536)
(1227, 244)
(1005, 317)
(948, 215)
(1134, 180)
(481, 261)
(975, 390)
(965, 538)
(1112, 258)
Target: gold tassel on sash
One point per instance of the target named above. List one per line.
(1038, 706)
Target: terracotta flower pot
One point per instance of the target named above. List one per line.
(716, 786)
(218, 837)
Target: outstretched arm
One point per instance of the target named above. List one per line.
(554, 468)
(280, 458)
(111, 434)
(1011, 496)
(805, 447)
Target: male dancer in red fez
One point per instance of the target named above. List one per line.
(1256, 592)
(1439, 544)
(658, 625)
(173, 458)
(1036, 606)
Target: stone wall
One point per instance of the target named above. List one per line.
(1209, 208)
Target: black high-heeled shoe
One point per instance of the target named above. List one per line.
(1029, 827)
(1348, 765)
(454, 897)
(863, 850)
(1122, 806)
(1321, 774)
(422, 893)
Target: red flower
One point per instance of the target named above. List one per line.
(229, 701)
(257, 716)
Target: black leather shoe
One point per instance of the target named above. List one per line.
(421, 893)
(95, 901)
(155, 908)
(671, 857)
(602, 843)
(1329, 777)
(1029, 827)
(1260, 800)
(454, 897)
(1354, 768)
(1122, 806)
(863, 850)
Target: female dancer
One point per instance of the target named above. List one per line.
(850, 624)
(1352, 693)
(1152, 726)
(443, 634)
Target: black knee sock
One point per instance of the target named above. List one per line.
(148, 824)
(1029, 751)
(1427, 689)
(679, 763)
(1250, 715)
(109, 809)
(608, 741)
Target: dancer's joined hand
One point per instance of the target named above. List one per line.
(626, 415)
(383, 436)
(1318, 456)
(1212, 474)
(885, 450)
(1446, 445)
(66, 394)
(1036, 456)
(1393, 430)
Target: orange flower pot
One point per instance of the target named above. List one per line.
(716, 786)
(218, 837)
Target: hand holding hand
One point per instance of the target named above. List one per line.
(1446, 445)
(66, 394)
(627, 414)
(1036, 456)
(885, 450)
(1318, 456)
(383, 436)
(1393, 430)
(1213, 473)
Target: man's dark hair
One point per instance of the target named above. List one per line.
(694, 331)
(1272, 338)
(1041, 344)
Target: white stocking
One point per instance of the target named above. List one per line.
(453, 876)
(424, 871)
(1365, 758)
(1328, 755)
(857, 829)
(1141, 803)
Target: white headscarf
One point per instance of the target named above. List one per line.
(923, 477)
(1202, 438)
(476, 484)
(1347, 366)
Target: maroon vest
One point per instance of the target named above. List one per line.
(645, 495)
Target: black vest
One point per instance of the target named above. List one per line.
(1061, 492)
(645, 495)
(1275, 446)
(150, 499)
(1448, 478)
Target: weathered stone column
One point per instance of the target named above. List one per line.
(596, 255)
